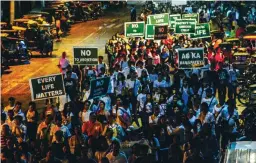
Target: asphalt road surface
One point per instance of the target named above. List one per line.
(92, 34)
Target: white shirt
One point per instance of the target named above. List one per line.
(158, 84)
(62, 100)
(192, 120)
(119, 86)
(64, 62)
(126, 71)
(130, 84)
(85, 115)
(107, 101)
(123, 64)
(211, 103)
(217, 109)
(232, 121)
(100, 65)
(120, 158)
(139, 70)
(149, 107)
(154, 120)
(141, 98)
(73, 76)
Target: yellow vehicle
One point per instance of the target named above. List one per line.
(251, 28)
(234, 41)
(21, 22)
(251, 39)
(32, 16)
(3, 24)
(241, 60)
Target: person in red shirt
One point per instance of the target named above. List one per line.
(92, 127)
(239, 32)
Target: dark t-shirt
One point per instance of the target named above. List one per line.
(70, 87)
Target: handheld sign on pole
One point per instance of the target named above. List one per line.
(150, 31)
(99, 87)
(134, 29)
(160, 32)
(45, 87)
(162, 19)
(172, 20)
(191, 16)
(85, 55)
(190, 58)
(202, 31)
(185, 26)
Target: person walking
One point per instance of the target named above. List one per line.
(133, 13)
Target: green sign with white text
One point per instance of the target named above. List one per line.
(172, 20)
(191, 16)
(150, 32)
(162, 19)
(185, 26)
(202, 31)
(134, 29)
(190, 58)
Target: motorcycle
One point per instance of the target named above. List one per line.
(246, 86)
(90, 13)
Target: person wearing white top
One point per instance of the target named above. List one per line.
(210, 100)
(63, 63)
(134, 84)
(160, 83)
(141, 98)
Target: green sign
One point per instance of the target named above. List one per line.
(190, 58)
(191, 16)
(185, 26)
(99, 87)
(150, 31)
(47, 87)
(202, 31)
(134, 29)
(85, 56)
(173, 18)
(161, 32)
(162, 19)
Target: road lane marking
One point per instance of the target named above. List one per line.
(120, 25)
(111, 25)
(84, 39)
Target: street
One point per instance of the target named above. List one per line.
(15, 83)
(91, 33)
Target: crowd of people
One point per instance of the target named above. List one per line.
(153, 111)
